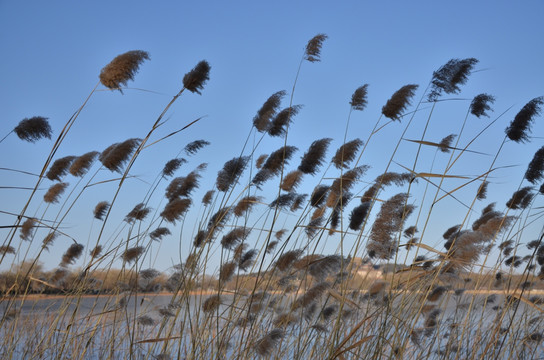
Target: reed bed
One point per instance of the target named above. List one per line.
(253, 279)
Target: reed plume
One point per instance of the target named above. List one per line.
(282, 119)
(171, 166)
(59, 168)
(145, 320)
(139, 212)
(27, 228)
(389, 221)
(358, 215)
(48, 240)
(445, 144)
(211, 304)
(193, 147)
(319, 195)
(268, 111)
(260, 161)
(7, 249)
(520, 199)
(346, 154)
(54, 192)
(72, 254)
(83, 163)
(300, 199)
(175, 209)
(520, 127)
(33, 129)
(436, 293)
(183, 185)
(482, 191)
(195, 79)
(207, 198)
(265, 345)
(358, 99)
(122, 69)
(314, 157)
(271, 246)
(450, 76)
(201, 238)
(279, 234)
(234, 237)
(245, 204)
(231, 172)
(273, 165)
(312, 295)
(283, 200)
(291, 181)
(227, 271)
(535, 170)
(313, 48)
(132, 254)
(100, 210)
(399, 101)
(313, 226)
(344, 183)
(246, 260)
(325, 266)
(96, 251)
(287, 259)
(116, 155)
(159, 233)
(481, 104)
(218, 220)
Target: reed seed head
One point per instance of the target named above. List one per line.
(291, 181)
(83, 163)
(450, 76)
(268, 111)
(280, 122)
(100, 210)
(481, 104)
(54, 192)
(27, 228)
(265, 345)
(231, 172)
(287, 259)
(175, 210)
(159, 233)
(245, 204)
(359, 98)
(171, 166)
(399, 101)
(193, 147)
(535, 170)
(314, 157)
(234, 237)
(520, 127)
(138, 213)
(72, 254)
(445, 144)
(246, 261)
(7, 249)
(211, 304)
(59, 168)
(33, 129)
(96, 251)
(122, 69)
(313, 48)
(116, 155)
(482, 191)
(132, 254)
(346, 154)
(195, 79)
(227, 271)
(521, 198)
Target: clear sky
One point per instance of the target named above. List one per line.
(52, 54)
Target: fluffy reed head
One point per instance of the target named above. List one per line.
(139, 212)
(344, 183)
(519, 128)
(292, 180)
(96, 251)
(195, 79)
(319, 195)
(116, 155)
(358, 215)
(311, 296)
(482, 191)
(399, 101)
(313, 48)
(445, 144)
(278, 125)
(100, 209)
(314, 157)
(27, 228)
(274, 164)
(283, 200)
(346, 154)
(211, 304)
(207, 198)
(227, 271)
(358, 99)
(268, 111)
(260, 161)
(245, 204)
(159, 233)
(72, 254)
(481, 104)
(183, 186)
(122, 69)
(175, 210)
(535, 170)
(231, 172)
(521, 198)
(193, 147)
(287, 259)
(234, 237)
(48, 240)
(450, 76)
(33, 129)
(7, 249)
(246, 260)
(83, 163)
(132, 254)
(59, 168)
(54, 192)
(171, 166)
(265, 345)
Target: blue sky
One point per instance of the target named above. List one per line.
(52, 53)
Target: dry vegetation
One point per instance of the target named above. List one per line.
(388, 292)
